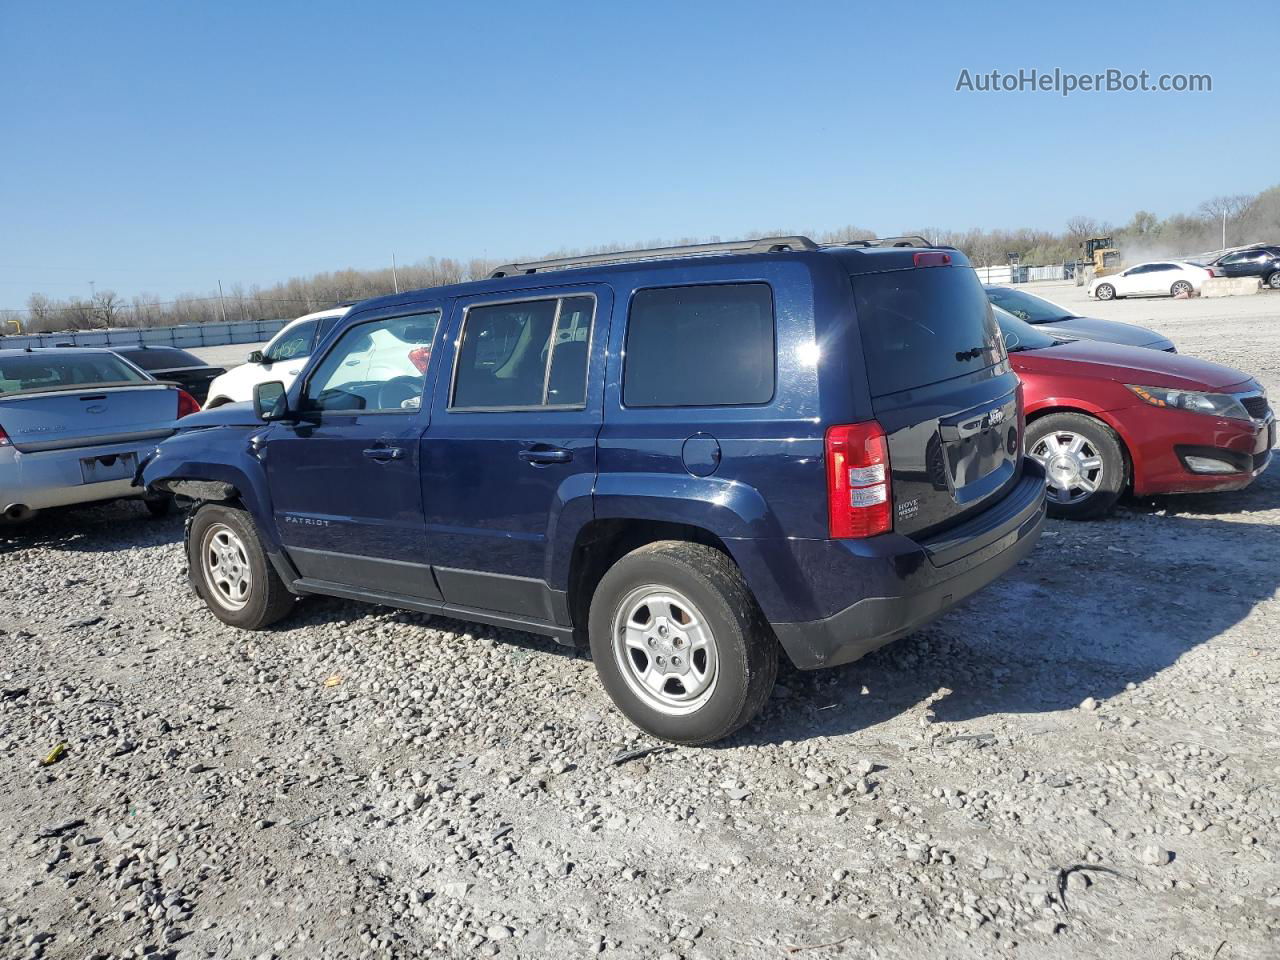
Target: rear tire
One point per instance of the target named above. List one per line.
(654, 614)
(1084, 463)
(1273, 281)
(1105, 291)
(1181, 287)
(231, 572)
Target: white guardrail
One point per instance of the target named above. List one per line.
(187, 335)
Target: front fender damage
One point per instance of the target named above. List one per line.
(219, 464)
(197, 489)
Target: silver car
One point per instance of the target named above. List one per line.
(1064, 324)
(74, 424)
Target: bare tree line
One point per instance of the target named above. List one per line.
(1249, 218)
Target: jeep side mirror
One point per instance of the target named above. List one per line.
(270, 401)
(257, 357)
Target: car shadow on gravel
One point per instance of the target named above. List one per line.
(1081, 619)
(1257, 499)
(92, 528)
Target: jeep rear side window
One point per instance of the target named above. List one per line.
(700, 346)
(524, 355)
(923, 326)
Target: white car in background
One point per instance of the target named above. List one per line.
(1159, 278)
(282, 359)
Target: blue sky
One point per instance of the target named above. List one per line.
(160, 147)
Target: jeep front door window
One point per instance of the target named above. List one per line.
(375, 367)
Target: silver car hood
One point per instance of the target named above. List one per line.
(1109, 331)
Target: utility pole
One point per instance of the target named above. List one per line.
(222, 304)
(394, 277)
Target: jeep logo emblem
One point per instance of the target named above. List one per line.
(996, 416)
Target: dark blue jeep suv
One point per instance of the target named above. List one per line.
(684, 457)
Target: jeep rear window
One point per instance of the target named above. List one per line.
(924, 325)
(524, 355)
(700, 346)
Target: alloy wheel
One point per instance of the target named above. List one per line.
(665, 650)
(1072, 466)
(225, 565)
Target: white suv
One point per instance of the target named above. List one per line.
(283, 358)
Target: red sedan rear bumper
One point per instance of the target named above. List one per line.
(1161, 440)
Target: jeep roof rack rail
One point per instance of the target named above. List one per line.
(889, 242)
(763, 245)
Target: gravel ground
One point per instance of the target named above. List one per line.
(1081, 761)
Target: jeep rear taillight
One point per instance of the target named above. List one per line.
(859, 503)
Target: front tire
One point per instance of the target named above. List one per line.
(1181, 288)
(1084, 464)
(1105, 291)
(680, 644)
(230, 569)
(1273, 281)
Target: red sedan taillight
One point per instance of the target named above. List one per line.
(859, 488)
(420, 357)
(187, 404)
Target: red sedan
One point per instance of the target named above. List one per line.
(1103, 418)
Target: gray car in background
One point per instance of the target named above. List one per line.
(1066, 325)
(73, 425)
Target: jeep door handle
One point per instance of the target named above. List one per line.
(540, 456)
(383, 454)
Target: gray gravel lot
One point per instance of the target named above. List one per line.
(229, 356)
(1082, 761)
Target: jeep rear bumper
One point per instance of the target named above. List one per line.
(996, 539)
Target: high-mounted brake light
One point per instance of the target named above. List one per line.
(858, 481)
(4, 438)
(932, 258)
(187, 404)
